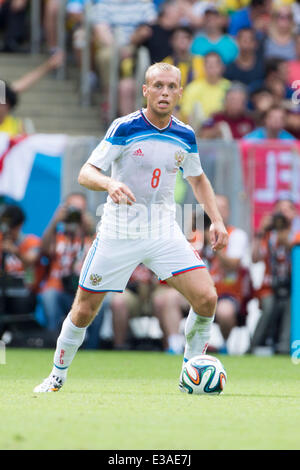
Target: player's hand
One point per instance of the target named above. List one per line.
(120, 193)
(218, 236)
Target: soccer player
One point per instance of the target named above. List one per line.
(145, 150)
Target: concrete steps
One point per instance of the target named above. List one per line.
(52, 105)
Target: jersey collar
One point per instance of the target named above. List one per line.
(152, 125)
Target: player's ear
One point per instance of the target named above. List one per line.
(145, 88)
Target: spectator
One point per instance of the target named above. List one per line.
(8, 122)
(18, 257)
(235, 121)
(192, 13)
(143, 296)
(279, 41)
(65, 244)
(254, 16)
(261, 100)
(75, 24)
(74, 10)
(293, 66)
(248, 68)
(202, 98)
(191, 66)
(229, 269)
(122, 17)
(286, 206)
(13, 24)
(50, 24)
(212, 39)
(293, 121)
(171, 307)
(296, 12)
(137, 300)
(272, 245)
(273, 128)
(158, 4)
(276, 80)
(156, 37)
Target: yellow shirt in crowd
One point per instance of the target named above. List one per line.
(190, 70)
(11, 126)
(206, 97)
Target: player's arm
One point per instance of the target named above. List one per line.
(204, 194)
(110, 149)
(92, 178)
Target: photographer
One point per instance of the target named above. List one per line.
(65, 244)
(18, 256)
(272, 245)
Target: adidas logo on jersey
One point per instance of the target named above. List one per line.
(138, 153)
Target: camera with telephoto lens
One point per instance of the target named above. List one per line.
(278, 222)
(73, 216)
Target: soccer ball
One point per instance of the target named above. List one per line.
(202, 375)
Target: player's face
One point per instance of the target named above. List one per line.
(162, 91)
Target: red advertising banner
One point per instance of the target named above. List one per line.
(271, 171)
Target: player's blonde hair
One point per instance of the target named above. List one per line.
(164, 67)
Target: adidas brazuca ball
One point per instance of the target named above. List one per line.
(204, 374)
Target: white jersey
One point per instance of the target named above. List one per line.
(146, 159)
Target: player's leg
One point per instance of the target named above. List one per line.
(85, 307)
(198, 288)
(107, 267)
(176, 262)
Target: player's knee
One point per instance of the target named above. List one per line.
(205, 303)
(84, 310)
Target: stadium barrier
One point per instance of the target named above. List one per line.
(252, 176)
(35, 27)
(85, 65)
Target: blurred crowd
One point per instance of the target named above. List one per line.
(240, 66)
(41, 275)
(239, 59)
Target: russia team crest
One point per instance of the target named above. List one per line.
(95, 279)
(179, 157)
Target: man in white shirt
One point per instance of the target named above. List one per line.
(145, 150)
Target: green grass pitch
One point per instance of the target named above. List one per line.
(130, 400)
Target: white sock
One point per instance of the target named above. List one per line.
(69, 341)
(197, 334)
